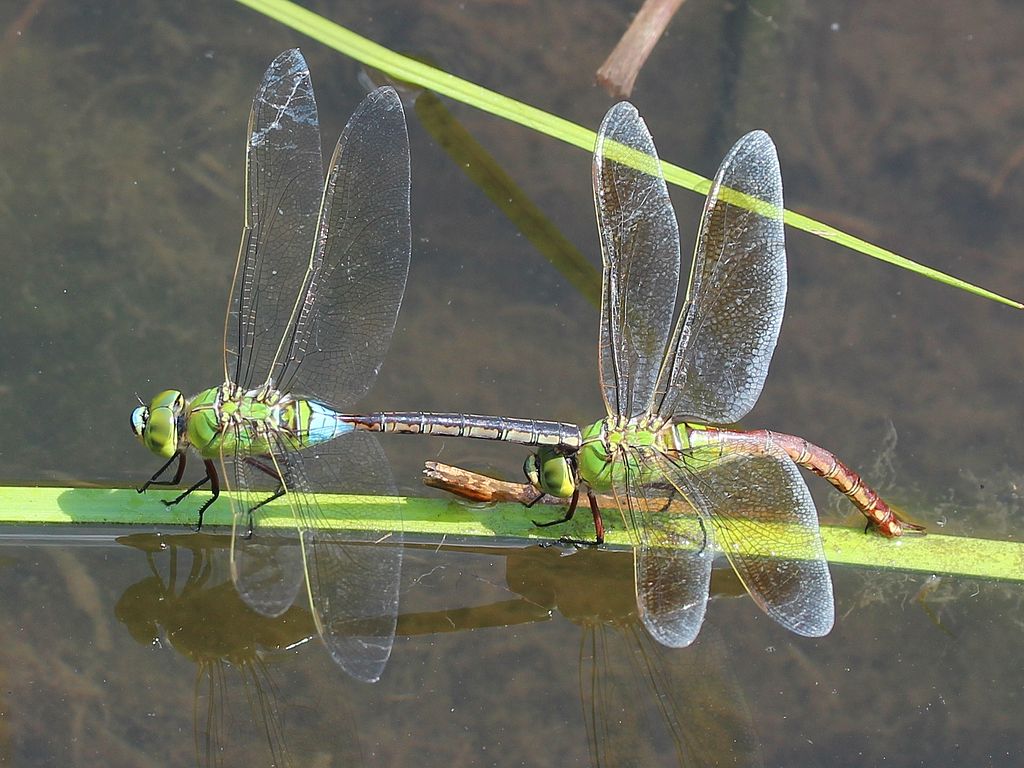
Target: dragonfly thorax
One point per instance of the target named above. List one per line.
(229, 418)
(609, 449)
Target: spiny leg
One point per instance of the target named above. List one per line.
(674, 496)
(271, 472)
(568, 515)
(208, 478)
(704, 534)
(214, 478)
(180, 458)
(540, 495)
(595, 511)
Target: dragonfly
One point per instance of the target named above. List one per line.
(319, 279)
(667, 391)
(663, 445)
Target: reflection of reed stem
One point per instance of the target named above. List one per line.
(473, 160)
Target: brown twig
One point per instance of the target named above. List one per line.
(478, 488)
(488, 490)
(618, 72)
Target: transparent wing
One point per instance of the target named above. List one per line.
(764, 519)
(646, 705)
(673, 558)
(284, 179)
(267, 568)
(352, 587)
(360, 260)
(723, 342)
(640, 252)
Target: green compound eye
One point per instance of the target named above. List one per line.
(551, 473)
(157, 424)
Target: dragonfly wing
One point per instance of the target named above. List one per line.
(360, 259)
(352, 586)
(284, 179)
(722, 345)
(640, 253)
(766, 523)
(673, 557)
(267, 568)
(646, 705)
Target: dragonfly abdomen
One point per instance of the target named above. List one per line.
(827, 466)
(321, 422)
(519, 431)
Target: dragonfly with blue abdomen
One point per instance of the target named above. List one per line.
(319, 279)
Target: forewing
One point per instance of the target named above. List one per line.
(353, 580)
(640, 253)
(360, 260)
(673, 557)
(766, 523)
(283, 183)
(726, 334)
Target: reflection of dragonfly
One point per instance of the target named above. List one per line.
(180, 610)
(320, 276)
(663, 392)
(641, 704)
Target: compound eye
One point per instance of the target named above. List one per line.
(557, 477)
(140, 418)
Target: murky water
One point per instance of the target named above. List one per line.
(120, 208)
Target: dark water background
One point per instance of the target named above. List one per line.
(121, 149)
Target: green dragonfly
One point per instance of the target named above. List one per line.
(665, 391)
(320, 276)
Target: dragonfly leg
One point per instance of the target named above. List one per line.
(214, 478)
(595, 510)
(194, 487)
(270, 471)
(703, 533)
(568, 515)
(540, 495)
(154, 480)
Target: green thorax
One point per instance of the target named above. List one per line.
(229, 420)
(605, 456)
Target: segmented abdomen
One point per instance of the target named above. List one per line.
(826, 465)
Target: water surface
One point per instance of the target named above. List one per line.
(120, 209)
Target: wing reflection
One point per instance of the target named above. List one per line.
(189, 602)
(644, 704)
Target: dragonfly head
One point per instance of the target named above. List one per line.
(551, 472)
(156, 425)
